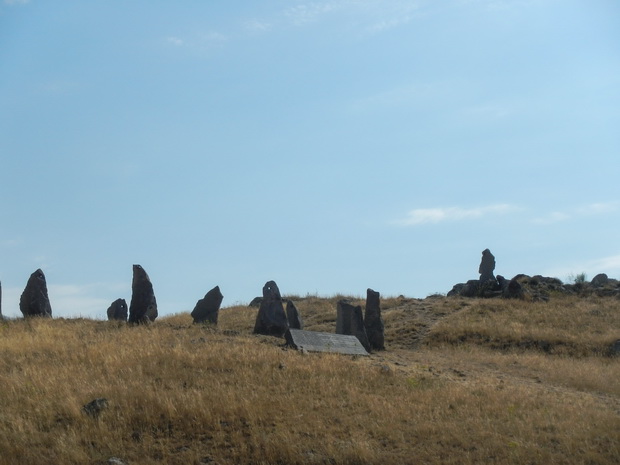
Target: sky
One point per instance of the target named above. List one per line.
(331, 146)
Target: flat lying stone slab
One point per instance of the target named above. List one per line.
(314, 341)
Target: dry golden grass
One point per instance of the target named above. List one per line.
(190, 394)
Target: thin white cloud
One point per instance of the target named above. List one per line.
(175, 41)
(255, 25)
(310, 12)
(16, 2)
(422, 216)
(593, 209)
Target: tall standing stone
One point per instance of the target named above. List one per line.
(208, 308)
(271, 319)
(143, 307)
(349, 320)
(373, 321)
(118, 310)
(293, 316)
(487, 266)
(34, 301)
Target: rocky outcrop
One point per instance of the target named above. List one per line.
(293, 316)
(373, 322)
(350, 321)
(487, 266)
(271, 319)
(34, 301)
(143, 307)
(207, 309)
(118, 310)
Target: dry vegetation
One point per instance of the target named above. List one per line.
(462, 382)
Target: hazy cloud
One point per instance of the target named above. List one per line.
(310, 12)
(438, 215)
(255, 25)
(16, 2)
(593, 209)
(174, 41)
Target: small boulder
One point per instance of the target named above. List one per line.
(208, 308)
(34, 301)
(118, 310)
(599, 280)
(95, 407)
(271, 319)
(350, 321)
(143, 307)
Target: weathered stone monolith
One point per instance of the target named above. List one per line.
(373, 321)
(293, 316)
(34, 301)
(487, 266)
(118, 310)
(271, 319)
(207, 309)
(143, 306)
(349, 320)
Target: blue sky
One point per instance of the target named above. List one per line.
(330, 146)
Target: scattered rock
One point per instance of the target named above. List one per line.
(95, 407)
(271, 319)
(208, 308)
(373, 321)
(118, 310)
(350, 321)
(293, 316)
(143, 307)
(115, 461)
(34, 301)
(615, 349)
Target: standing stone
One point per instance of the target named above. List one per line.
(373, 321)
(118, 310)
(271, 319)
(34, 300)
(143, 307)
(293, 316)
(349, 320)
(487, 266)
(208, 309)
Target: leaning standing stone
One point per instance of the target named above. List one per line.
(34, 301)
(487, 266)
(293, 316)
(118, 310)
(208, 309)
(271, 319)
(349, 320)
(143, 307)
(373, 321)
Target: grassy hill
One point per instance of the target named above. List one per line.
(462, 381)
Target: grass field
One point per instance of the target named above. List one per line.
(462, 381)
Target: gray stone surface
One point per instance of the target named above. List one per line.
(118, 310)
(207, 309)
(292, 315)
(373, 321)
(487, 266)
(313, 341)
(349, 320)
(599, 280)
(34, 301)
(143, 307)
(271, 319)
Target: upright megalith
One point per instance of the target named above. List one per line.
(271, 319)
(207, 309)
(143, 306)
(349, 320)
(293, 316)
(34, 301)
(118, 310)
(487, 266)
(373, 321)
